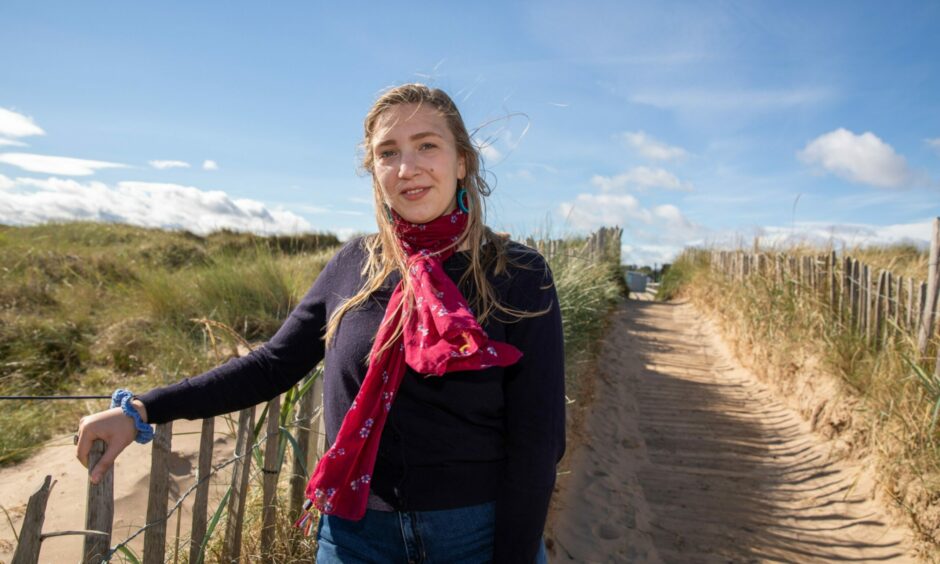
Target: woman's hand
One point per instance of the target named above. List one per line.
(114, 428)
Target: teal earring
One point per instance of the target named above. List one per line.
(461, 195)
(388, 214)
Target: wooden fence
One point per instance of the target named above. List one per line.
(308, 435)
(878, 305)
(601, 245)
(100, 501)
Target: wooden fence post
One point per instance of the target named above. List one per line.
(801, 274)
(813, 275)
(30, 541)
(909, 322)
(779, 265)
(99, 510)
(880, 307)
(301, 464)
(792, 274)
(866, 301)
(155, 535)
(933, 287)
(833, 282)
(270, 469)
(201, 503)
(845, 303)
(892, 313)
(921, 305)
(232, 544)
(855, 295)
(318, 427)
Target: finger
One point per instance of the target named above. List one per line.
(105, 462)
(84, 446)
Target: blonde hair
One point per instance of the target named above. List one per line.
(385, 254)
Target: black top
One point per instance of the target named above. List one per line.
(452, 441)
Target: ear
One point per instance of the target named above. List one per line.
(461, 167)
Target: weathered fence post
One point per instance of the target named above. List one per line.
(813, 275)
(792, 273)
(833, 282)
(880, 307)
(933, 287)
(866, 301)
(271, 469)
(301, 465)
(777, 273)
(892, 314)
(155, 536)
(845, 303)
(856, 296)
(921, 305)
(231, 546)
(909, 323)
(318, 428)
(30, 541)
(99, 511)
(201, 503)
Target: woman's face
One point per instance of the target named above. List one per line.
(416, 162)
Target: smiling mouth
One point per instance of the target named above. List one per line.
(414, 192)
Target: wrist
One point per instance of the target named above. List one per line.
(141, 409)
(128, 404)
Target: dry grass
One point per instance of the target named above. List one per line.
(90, 307)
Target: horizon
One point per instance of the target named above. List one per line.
(683, 124)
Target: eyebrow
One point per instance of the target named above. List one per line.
(414, 137)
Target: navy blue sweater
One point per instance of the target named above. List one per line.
(452, 441)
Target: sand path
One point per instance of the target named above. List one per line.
(689, 458)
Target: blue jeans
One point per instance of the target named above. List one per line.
(455, 536)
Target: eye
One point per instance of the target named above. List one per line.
(386, 154)
(427, 146)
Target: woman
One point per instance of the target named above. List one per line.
(443, 388)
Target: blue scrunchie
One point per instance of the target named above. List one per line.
(122, 398)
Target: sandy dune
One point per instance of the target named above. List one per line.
(689, 458)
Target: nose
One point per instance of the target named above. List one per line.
(407, 167)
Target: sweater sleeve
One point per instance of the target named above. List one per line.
(262, 374)
(534, 391)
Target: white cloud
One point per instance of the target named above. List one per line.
(210, 165)
(641, 178)
(490, 153)
(935, 143)
(67, 166)
(346, 233)
(650, 235)
(651, 148)
(13, 124)
(173, 206)
(11, 143)
(590, 211)
(864, 158)
(649, 255)
(6, 183)
(163, 165)
(841, 235)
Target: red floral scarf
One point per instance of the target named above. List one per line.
(442, 335)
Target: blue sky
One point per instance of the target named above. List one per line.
(685, 123)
